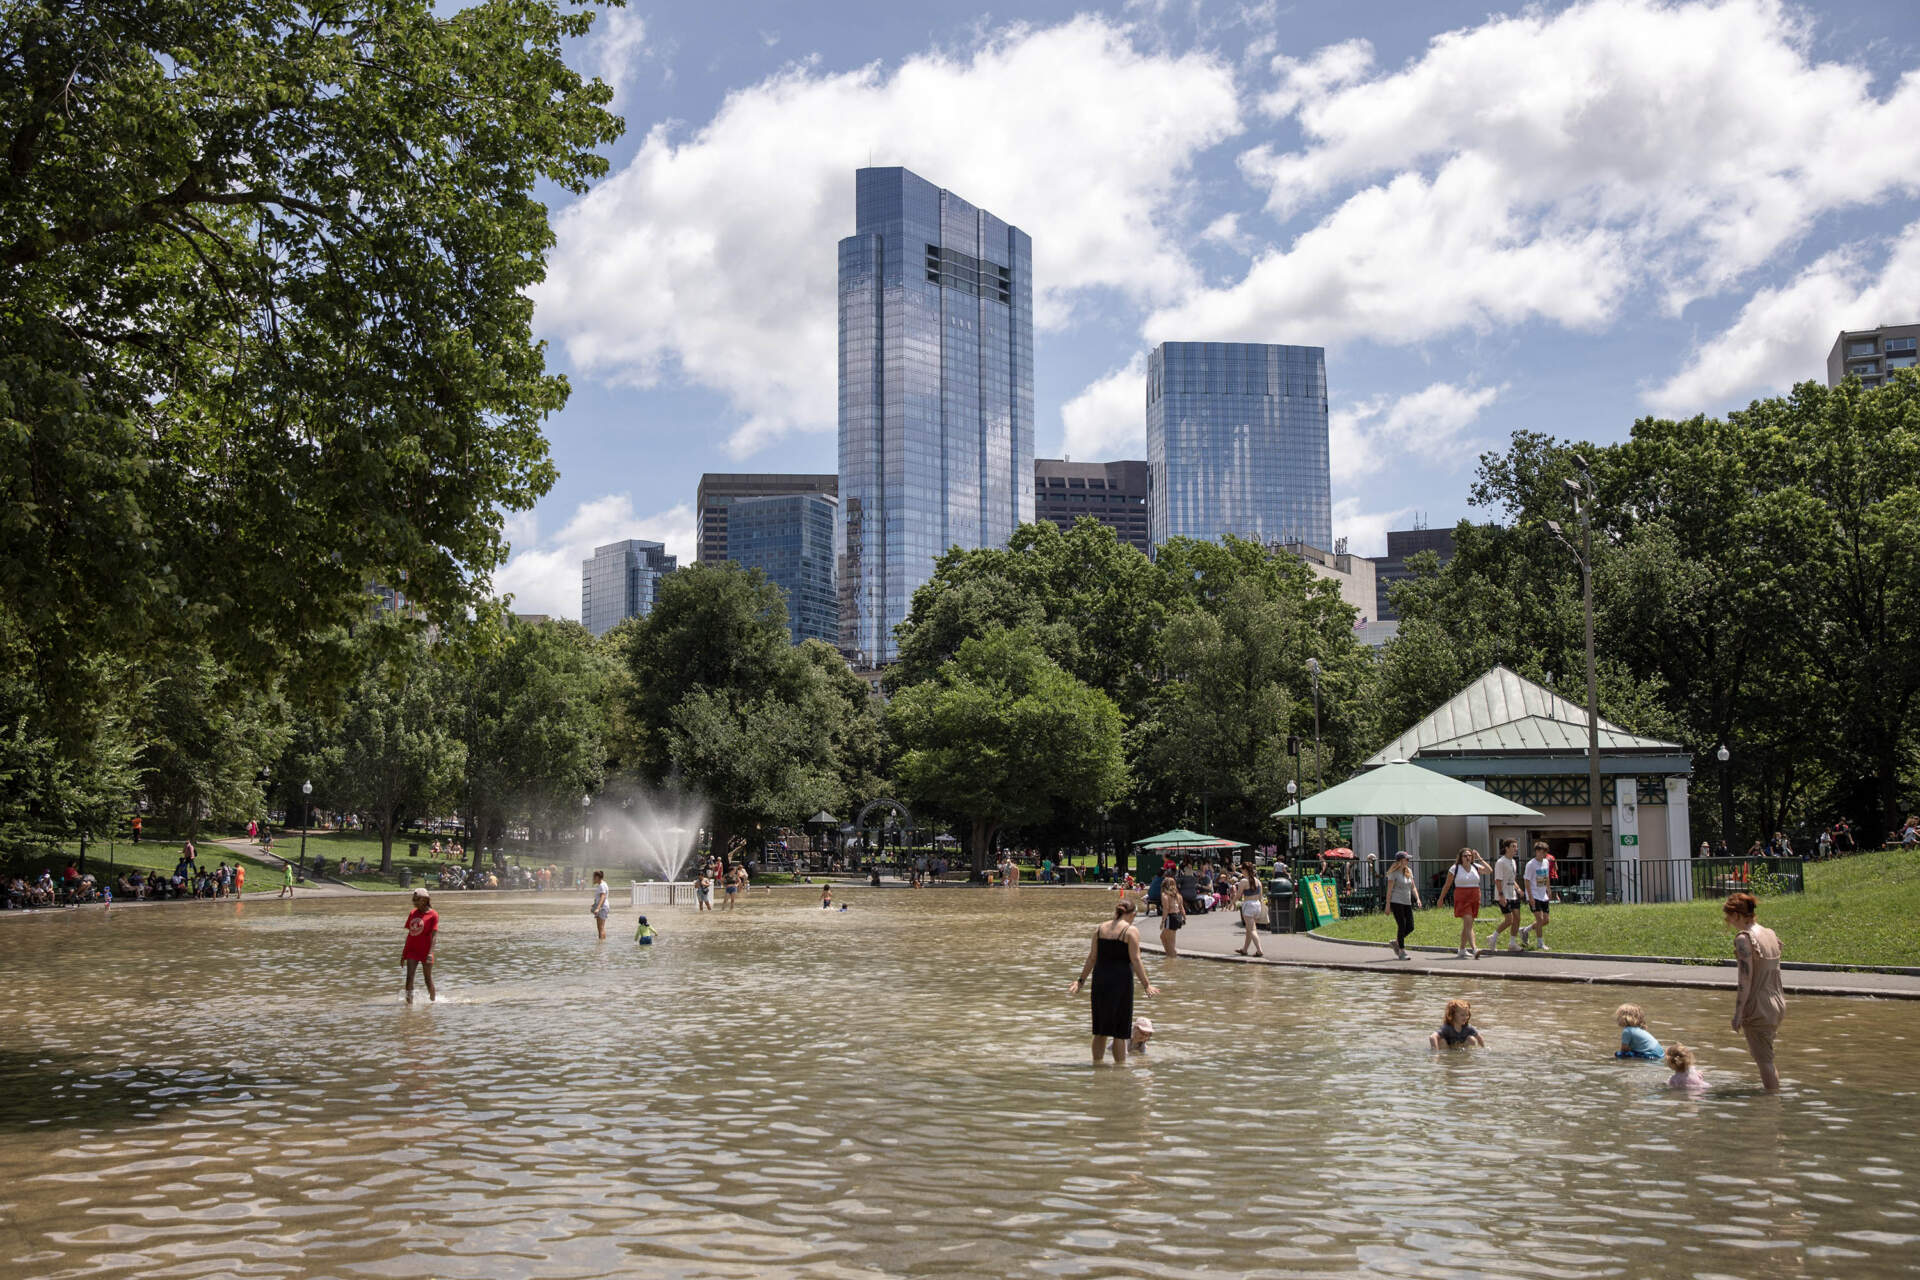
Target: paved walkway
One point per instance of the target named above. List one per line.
(1216, 935)
(307, 888)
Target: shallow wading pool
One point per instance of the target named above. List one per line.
(898, 1089)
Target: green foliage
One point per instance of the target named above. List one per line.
(532, 717)
(264, 339)
(1003, 734)
(203, 734)
(1756, 582)
(716, 700)
(396, 753)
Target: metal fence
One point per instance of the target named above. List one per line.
(1647, 880)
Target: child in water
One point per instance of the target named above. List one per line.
(1458, 1029)
(643, 933)
(826, 897)
(1142, 1033)
(1685, 1074)
(1635, 1040)
(423, 925)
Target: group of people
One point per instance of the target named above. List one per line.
(1515, 890)
(1188, 887)
(1113, 964)
(732, 884)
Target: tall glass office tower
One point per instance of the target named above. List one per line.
(789, 537)
(1237, 442)
(620, 582)
(936, 393)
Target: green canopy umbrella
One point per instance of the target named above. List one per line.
(1180, 838)
(1401, 792)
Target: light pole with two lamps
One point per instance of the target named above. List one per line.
(1581, 492)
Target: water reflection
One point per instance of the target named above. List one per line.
(900, 1089)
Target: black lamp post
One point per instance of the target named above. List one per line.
(1581, 492)
(1319, 779)
(306, 792)
(1726, 798)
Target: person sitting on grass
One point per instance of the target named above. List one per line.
(1685, 1074)
(1635, 1040)
(1458, 1029)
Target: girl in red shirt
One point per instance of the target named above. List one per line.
(422, 924)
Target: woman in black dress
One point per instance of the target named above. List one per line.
(1114, 962)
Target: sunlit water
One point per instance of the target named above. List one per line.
(899, 1089)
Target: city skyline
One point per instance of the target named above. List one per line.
(1232, 173)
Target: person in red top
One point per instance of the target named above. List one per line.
(422, 924)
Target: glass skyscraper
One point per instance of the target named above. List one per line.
(936, 393)
(790, 539)
(620, 582)
(1237, 442)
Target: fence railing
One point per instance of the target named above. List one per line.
(1644, 880)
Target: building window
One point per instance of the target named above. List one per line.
(1900, 344)
(1900, 362)
(1862, 347)
(1863, 370)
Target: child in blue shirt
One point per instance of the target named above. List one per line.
(1635, 1040)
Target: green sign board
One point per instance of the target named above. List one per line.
(1629, 839)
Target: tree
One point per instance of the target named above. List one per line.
(1003, 735)
(264, 328)
(533, 721)
(202, 735)
(396, 753)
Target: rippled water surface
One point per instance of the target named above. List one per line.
(898, 1089)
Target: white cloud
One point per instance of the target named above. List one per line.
(1545, 166)
(1365, 531)
(1108, 419)
(711, 257)
(1428, 426)
(1782, 335)
(543, 574)
(619, 46)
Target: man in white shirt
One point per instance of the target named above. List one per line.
(1506, 896)
(1539, 881)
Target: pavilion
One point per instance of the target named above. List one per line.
(1528, 744)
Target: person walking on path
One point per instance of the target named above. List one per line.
(1464, 877)
(1759, 1004)
(1403, 897)
(1538, 878)
(423, 926)
(1114, 961)
(1250, 910)
(1173, 916)
(602, 903)
(1506, 896)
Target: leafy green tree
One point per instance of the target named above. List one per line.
(203, 733)
(533, 722)
(396, 754)
(265, 335)
(1002, 735)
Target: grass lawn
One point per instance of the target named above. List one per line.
(152, 855)
(1859, 910)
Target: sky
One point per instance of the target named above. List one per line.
(1559, 217)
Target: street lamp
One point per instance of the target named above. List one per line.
(1581, 493)
(1726, 798)
(586, 818)
(1293, 821)
(1313, 669)
(306, 790)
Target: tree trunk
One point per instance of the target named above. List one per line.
(386, 842)
(981, 840)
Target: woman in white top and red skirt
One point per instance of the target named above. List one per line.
(1465, 877)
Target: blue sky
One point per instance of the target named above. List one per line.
(1560, 217)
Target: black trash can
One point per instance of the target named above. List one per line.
(1280, 905)
(406, 877)
(413, 848)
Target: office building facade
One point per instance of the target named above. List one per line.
(1392, 567)
(620, 582)
(789, 537)
(936, 394)
(719, 490)
(1237, 443)
(1114, 493)
(1873, 355)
